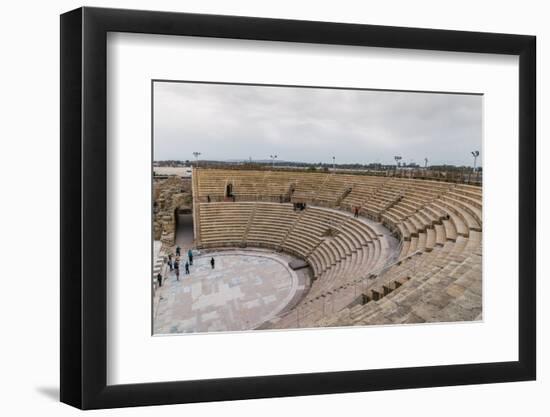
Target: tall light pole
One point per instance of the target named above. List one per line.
(425, 163)
(397, 159)
(334, 163)
(273, 157)
(475, 154)
(196, 155)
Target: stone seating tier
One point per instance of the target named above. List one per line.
(439, 225)
(337, 246)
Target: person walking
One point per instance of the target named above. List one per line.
(177, 267)
(190, 256)
(178, 251)
(177, 274)
(159, 279)
(186, 268)
(356, 212)
(212, 262)
(170, 263)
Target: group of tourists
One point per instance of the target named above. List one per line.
(174, 262)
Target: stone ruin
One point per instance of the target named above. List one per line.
(170, 195)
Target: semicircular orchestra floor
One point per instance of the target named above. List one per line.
(244, 290)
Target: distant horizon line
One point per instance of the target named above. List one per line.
(281, 161)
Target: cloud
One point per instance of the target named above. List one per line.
(313, 124)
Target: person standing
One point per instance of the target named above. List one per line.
(177, 274)
(170, 263)
(212, 262)
(186, 268)
(190, 255)
(178, 251)
(159, 279)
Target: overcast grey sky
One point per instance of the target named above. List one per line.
(312, 124)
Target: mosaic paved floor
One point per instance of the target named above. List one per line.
(243, 291)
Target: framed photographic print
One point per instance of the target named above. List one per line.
(258, 207)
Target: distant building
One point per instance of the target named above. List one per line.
(183, 172)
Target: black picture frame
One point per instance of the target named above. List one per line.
(84, 207)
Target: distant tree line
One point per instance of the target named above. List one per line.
(311, 166)
(171, 163)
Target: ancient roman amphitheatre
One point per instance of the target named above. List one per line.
(287, 248)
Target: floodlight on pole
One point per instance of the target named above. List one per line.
(333, 163)
(196, 155)
(475, 154)
(397, 159)
(425, 163)
(273, 157)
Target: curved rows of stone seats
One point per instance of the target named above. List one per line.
(337, 246)
(373, 194)
(442, 285)
(437, 275)
(427, 284)
(224, 224)
(446, 286)
(323, 189)
(255, 185)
